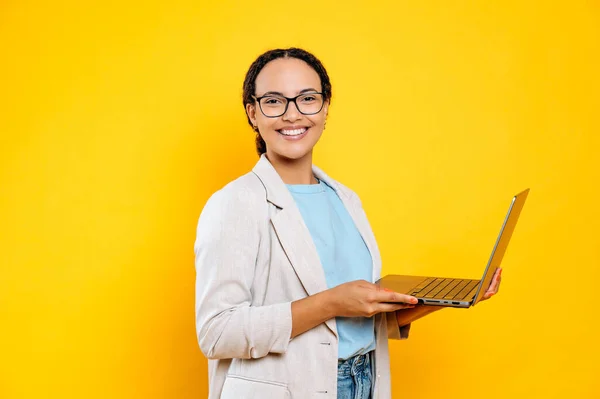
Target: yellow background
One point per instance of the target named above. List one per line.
(119, 119)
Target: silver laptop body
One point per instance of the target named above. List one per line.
(458, 292)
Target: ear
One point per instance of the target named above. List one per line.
(326, 108)
(251, 112)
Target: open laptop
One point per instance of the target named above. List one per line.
(458, 292)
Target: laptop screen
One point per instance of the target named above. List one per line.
(506, 232)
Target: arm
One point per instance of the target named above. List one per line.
(227, 326)
(309, 312)
(352, 299)
(226, 249)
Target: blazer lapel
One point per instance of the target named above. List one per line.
(291, 230)
(294, 236)
(300, 249)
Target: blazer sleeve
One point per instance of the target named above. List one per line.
(226, 250)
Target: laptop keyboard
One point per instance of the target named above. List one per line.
(445, 288)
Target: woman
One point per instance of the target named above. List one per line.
(285, 259)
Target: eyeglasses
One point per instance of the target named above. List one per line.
(273, 106)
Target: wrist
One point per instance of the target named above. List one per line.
(328, 303)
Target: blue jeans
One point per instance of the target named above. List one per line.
(354, 378)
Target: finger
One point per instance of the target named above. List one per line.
(492, 290)
(495, 281)
(388, 295)
(493, 287)
(497, 273)
(487, 295)
(499, 281)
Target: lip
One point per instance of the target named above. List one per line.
(293, 138)
(292, 127)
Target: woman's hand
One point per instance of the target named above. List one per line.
(494, 285)
(361, 298)
(353, 299)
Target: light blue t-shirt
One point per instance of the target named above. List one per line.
(343, 254)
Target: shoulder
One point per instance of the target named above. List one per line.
(244, 195)
(232, 215)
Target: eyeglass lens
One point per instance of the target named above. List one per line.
(309, 103)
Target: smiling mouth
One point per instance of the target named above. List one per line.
(292, 132)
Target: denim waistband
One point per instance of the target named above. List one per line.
(354, 365)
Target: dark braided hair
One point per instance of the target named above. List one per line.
(258, 65)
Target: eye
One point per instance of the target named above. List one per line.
(308, 98)
(272, 101)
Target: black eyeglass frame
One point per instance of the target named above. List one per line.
(287, 104)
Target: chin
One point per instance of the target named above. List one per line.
(293, 154)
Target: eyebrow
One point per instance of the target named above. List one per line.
(281, 94)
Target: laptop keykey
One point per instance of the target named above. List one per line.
(466, 290)
(425, 292)
(448, 288)
(461, 284)
(434, 293)
(424, 284)
(471, 294)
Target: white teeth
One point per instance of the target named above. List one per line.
(294, 132)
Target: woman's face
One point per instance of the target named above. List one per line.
(293, 134)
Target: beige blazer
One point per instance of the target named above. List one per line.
(254, 256)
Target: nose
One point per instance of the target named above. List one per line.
(292, 113)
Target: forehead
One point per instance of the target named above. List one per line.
(287, 76)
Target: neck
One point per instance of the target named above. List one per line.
(293, 171)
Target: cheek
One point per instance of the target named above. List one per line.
(269, 124)
(318, 121)
(265, 123)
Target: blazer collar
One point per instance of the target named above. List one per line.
(277, 192)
